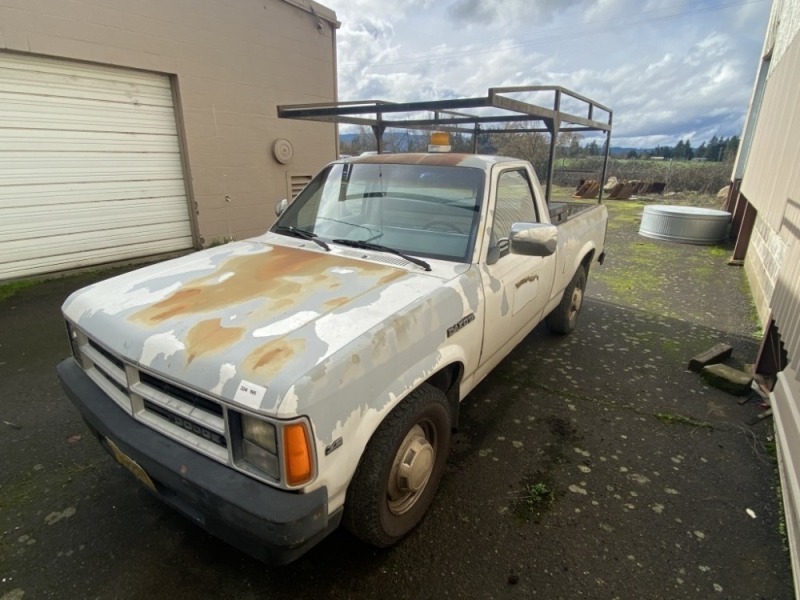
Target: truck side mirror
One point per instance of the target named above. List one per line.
(533, 239)
(281, 207)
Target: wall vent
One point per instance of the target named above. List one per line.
(295, 182)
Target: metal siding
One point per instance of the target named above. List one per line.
(786, 303)
(90, 166)
(784, 400)
(772, 174)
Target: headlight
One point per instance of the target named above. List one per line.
(284, 451)
(260, 445)
(260, 433)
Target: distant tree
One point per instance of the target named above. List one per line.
(486, 144)
(533, 147)
(593, 149)
(701, 151)
(568, 143)
(460, 142)
(715, 149)
(731, 147)
(574, 150)
(362, 141)
(632, 154)
(679, 152)
(665, 151)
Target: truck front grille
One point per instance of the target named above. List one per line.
(179, 413)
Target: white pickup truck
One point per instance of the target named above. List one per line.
(273, 388)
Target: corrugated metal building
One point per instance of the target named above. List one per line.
(129, 129)
(767, 215)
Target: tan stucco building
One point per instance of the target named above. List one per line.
(130, 129)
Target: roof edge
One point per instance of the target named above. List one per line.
(316, 9)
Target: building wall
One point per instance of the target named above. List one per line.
(232, 63)
(763, 263)
(771, 177)
(771, 183)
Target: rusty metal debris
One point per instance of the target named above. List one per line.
(618, 190)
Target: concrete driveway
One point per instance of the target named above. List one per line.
(588, 466)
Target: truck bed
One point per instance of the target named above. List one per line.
(561, 212)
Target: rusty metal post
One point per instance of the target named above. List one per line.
(554, 126)
(605, 160)
(378, 130)
(744, 231)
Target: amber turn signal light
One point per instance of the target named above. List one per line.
(297, 454)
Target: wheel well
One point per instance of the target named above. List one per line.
(587, 261)
(447, 380)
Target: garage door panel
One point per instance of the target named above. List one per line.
(90, 166)
(68, 114)
(85, 258)
(22, 196)
(30, 82)
(66, 167)
(32, 223)
(32, 140)
(49, 248)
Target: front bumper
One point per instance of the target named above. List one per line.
(272, 525)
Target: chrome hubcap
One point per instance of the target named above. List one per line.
(411, 470)
(575, 305)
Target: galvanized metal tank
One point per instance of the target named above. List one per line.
(687, 224)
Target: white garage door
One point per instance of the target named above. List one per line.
(90, 166)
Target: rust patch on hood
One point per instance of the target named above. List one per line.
(271, 358)
(271, 276)
(337, 302)
(210, 336)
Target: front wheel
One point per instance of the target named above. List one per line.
(400, 470)
(564, 317)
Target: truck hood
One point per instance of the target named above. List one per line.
(254, 313)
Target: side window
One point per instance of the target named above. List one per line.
(514, 204)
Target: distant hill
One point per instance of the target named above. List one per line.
(620, 151)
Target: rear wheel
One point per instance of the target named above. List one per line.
(400, 470)
(564, 317)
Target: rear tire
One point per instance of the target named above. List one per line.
(398, 475)
(564, 317)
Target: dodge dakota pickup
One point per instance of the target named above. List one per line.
(274, 388)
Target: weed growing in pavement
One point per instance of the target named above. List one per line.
(9, 289)
(673, 419)
(535, 498)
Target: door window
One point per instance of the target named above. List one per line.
(514, 204)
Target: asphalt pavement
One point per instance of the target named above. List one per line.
(588, 466)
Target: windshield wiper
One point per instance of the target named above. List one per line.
(303, 234)
(369, 246)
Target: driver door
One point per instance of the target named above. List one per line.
(516, 287)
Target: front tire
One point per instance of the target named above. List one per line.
(398, 475)
(564, 317)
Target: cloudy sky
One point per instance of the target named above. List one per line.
(669, 69)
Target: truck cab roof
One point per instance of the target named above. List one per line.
(441, 159)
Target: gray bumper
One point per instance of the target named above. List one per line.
(272, 525)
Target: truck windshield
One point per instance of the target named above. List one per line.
(429, 211)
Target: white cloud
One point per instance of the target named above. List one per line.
(669, 70)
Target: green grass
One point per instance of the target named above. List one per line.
(7, 290)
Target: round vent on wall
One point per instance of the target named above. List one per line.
(282, 151)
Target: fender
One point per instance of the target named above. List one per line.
(337, 465)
